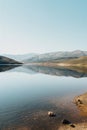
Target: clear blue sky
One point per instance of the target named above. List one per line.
(42, 26)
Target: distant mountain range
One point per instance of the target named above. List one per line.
(20, 57)
(65, 57)
(56, 63)
(56, 56)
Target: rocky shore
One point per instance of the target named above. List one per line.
(79, 126)
(81, 103)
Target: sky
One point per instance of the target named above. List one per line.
(40, 26)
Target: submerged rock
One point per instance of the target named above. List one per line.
(51, 114)
(66, 122)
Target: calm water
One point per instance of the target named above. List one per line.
(28, 93)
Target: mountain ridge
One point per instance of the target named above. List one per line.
(6, 60)
(20, 57)
(52, 57)
(56, 56)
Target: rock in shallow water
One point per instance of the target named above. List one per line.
(66, 122)
(51, 114)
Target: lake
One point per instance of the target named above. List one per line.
(27, 93)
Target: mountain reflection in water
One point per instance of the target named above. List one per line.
(7, 67)
(60, 71)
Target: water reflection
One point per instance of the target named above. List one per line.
(45, 70)
(52, 71)
(7, 67)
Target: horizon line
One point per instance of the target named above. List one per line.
(40, 53)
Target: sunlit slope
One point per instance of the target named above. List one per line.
(78, 61)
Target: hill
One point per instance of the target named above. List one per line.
(81, 61)
(20, 57)
(56, 56)
(6, 60)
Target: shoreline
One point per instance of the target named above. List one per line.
(50, 64)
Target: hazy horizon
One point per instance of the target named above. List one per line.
(38, 53)
(32, 26)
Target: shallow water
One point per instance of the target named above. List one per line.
(28, 93)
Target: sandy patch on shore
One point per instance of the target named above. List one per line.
(81, 103)
(79, 126)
